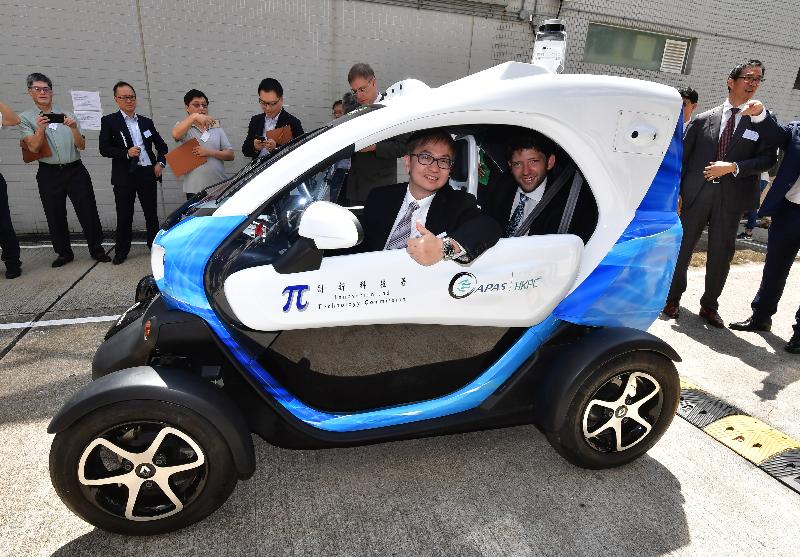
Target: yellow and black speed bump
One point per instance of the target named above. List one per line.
(769, 449)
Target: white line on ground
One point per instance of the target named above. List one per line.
(56, 322)
(45, 246)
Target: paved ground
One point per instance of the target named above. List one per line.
(491, 493)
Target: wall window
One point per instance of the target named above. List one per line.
(619, 46)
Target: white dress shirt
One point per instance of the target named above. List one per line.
(420, 214)
(269, 125)
(136, 135)
(534, 198)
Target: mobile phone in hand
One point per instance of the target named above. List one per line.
(54, 118)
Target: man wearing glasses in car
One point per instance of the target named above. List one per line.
(270, 98)
(427, 217)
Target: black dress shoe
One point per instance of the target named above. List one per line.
(712, 317)
(13, 271)
(119, 259)
(62, 260)
(751, 324)
(671, 310)
(793, 346)
(101, 256)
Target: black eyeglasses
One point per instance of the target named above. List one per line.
(425, 159)
(200, 105)
(751, 80)
(127, 97)
(40, 89)
(268, 103)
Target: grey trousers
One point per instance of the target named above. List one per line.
(706, 209)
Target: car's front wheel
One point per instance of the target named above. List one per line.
(142, 467)
(620, 410)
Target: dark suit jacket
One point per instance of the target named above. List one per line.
(499, 197)
(741, 192)
(256, 127)
(453, 211)
(787, 137)
(112, 128)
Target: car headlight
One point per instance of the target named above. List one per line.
(157, 254)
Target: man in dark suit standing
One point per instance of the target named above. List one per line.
(375, 165)
(430, 219)
(723, 155)
(270, 97)
(531, 157)
(127, 139)
(782, 203)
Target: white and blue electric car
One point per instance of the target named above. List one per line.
(257, 320)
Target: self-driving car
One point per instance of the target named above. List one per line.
(263, 316)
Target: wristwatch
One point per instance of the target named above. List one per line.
(163, 165)
(448, 249)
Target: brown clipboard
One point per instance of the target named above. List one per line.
(181, 159)
(30, 156)
(281, 136)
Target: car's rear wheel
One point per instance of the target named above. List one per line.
(620, 411)
(142, 467)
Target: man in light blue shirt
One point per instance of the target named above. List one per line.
(61, 174)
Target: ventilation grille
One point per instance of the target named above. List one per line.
(674, 56)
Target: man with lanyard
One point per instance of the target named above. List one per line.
(128, 138)
(61, 174)
(9, 244)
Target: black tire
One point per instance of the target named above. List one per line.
(134, 427)
(600, 447)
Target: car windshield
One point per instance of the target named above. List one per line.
(214, 196)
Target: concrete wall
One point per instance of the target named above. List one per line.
(165, 47)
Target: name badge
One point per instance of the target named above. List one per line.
(53, 126)
(147, 133)
(205, 136)
(752, 135)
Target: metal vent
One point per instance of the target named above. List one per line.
(674, 56)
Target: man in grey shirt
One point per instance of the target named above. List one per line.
(211, 139)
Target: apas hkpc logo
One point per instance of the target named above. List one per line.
(462, 285)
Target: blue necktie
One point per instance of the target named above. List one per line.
(516, 217)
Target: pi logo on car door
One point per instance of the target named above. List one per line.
(295, 294)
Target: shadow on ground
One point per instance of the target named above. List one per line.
(780, 368)
(503, 492)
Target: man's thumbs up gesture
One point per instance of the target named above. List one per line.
(427, 249)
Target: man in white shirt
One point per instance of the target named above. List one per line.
(723, 156)
(426, 216)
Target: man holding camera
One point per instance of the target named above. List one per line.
(61, 174)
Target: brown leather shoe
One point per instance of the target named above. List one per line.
(671, 310)
(712, 317)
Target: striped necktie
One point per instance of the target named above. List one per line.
(402, 232)
(516, 217)
(727, 135)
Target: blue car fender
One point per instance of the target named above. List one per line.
(570, 369)
(169, 385)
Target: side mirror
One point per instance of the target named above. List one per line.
(331, 226)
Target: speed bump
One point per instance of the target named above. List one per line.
(751, 438)
(769, 449)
